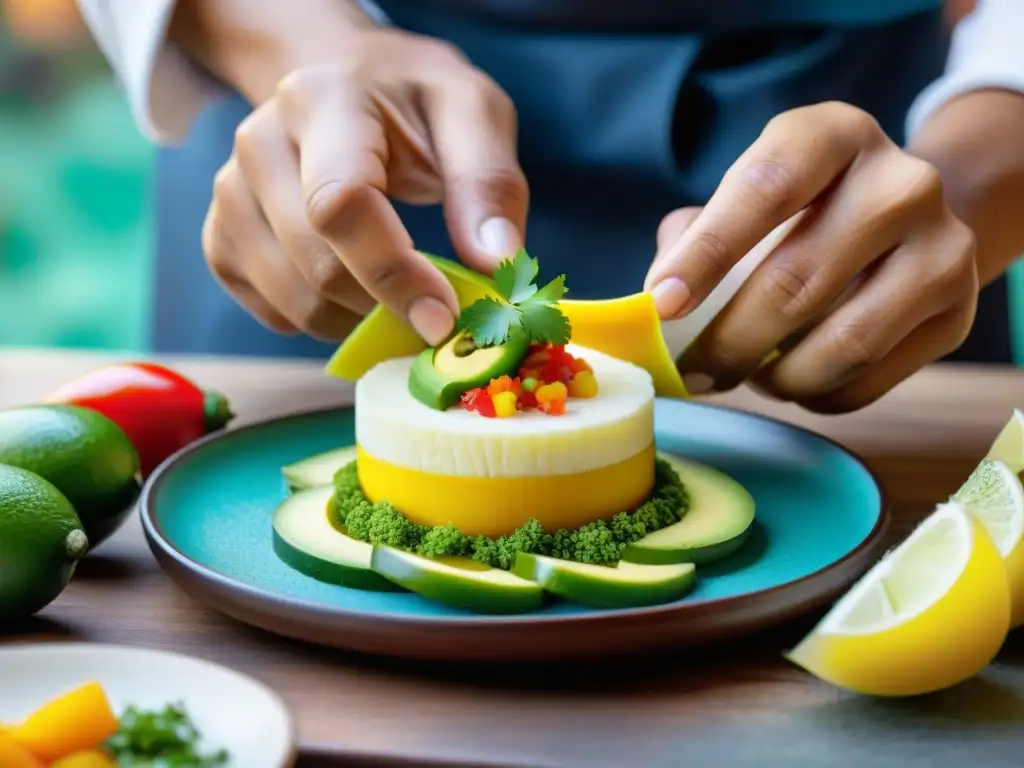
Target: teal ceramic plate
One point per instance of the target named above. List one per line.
(821, 521)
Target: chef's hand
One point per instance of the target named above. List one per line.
(301, 232)
(875, 281)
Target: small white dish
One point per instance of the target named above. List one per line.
(231, 711)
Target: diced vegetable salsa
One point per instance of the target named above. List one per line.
(547, 378)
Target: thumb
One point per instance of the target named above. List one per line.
(486, 196)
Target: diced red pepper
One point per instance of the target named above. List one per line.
(527, 400)
(479, 401)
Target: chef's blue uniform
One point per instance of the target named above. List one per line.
(628, 109)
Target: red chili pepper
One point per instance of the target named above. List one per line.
(158, 409)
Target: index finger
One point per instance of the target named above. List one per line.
(797, 157)
(343, 157)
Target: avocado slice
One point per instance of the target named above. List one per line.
(458, 581)
(718, 521)
(317, 470)
(305, 539)
(438, 377)
(624, 585)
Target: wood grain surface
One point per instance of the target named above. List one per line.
(737, 704)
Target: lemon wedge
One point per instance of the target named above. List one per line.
(1009, 443)
(994, 495)
(930, 614)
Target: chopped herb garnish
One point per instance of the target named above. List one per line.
(521, 305)
(164, 738)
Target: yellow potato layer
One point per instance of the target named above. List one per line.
(496, 506)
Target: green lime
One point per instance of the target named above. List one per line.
(41, 541)
(83, 453)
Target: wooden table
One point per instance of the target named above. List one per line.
(735, 705)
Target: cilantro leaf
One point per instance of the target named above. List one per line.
(515, 278)
(545, 323)
(551, 292)
(489, 320)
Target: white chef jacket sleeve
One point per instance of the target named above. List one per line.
(164, 88)
(986, 51)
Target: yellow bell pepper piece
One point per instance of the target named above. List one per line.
(79, 720)
(15, 755)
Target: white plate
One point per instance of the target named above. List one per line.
(231, 711)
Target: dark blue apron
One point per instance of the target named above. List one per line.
(618, 126)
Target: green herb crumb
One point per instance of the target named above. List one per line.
(600, 542)
(164, 738)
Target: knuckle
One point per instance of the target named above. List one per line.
(385, 277)
(327, 274)
(310, 313)
(962, 322)
(711, 254)
(855, 122)
(275, 321)
(493, 99)
(299, 82)
(225, 182)
(954, 270)
(218, 256)
(247, 135)
(444, 52)
(854, 343)
(328, 204)
(788, 290)
(772, 185)
(209, 241)
(922, 183)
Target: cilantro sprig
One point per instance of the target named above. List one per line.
(520, 306)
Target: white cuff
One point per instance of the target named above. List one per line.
(986, 52)
(164, 88)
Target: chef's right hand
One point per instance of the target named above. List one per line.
(301, 231)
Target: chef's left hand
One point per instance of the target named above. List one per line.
(875, 281)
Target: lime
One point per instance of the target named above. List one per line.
(83, 453)
(41, 541)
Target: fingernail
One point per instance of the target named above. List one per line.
(698, 383)
(670, 297)
(431, 319)
(500, 238)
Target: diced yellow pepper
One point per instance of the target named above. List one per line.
(504, 404)
(583, 384)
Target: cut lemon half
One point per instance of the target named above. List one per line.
(930, 614)
(1009, 443)
(993, 494)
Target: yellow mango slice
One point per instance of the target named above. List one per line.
(90, 758)
(15, 755)
(627, 328)
(79, 720)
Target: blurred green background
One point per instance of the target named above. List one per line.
(76, 189)
(75, 193)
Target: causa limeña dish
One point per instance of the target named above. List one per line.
(506, 467)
